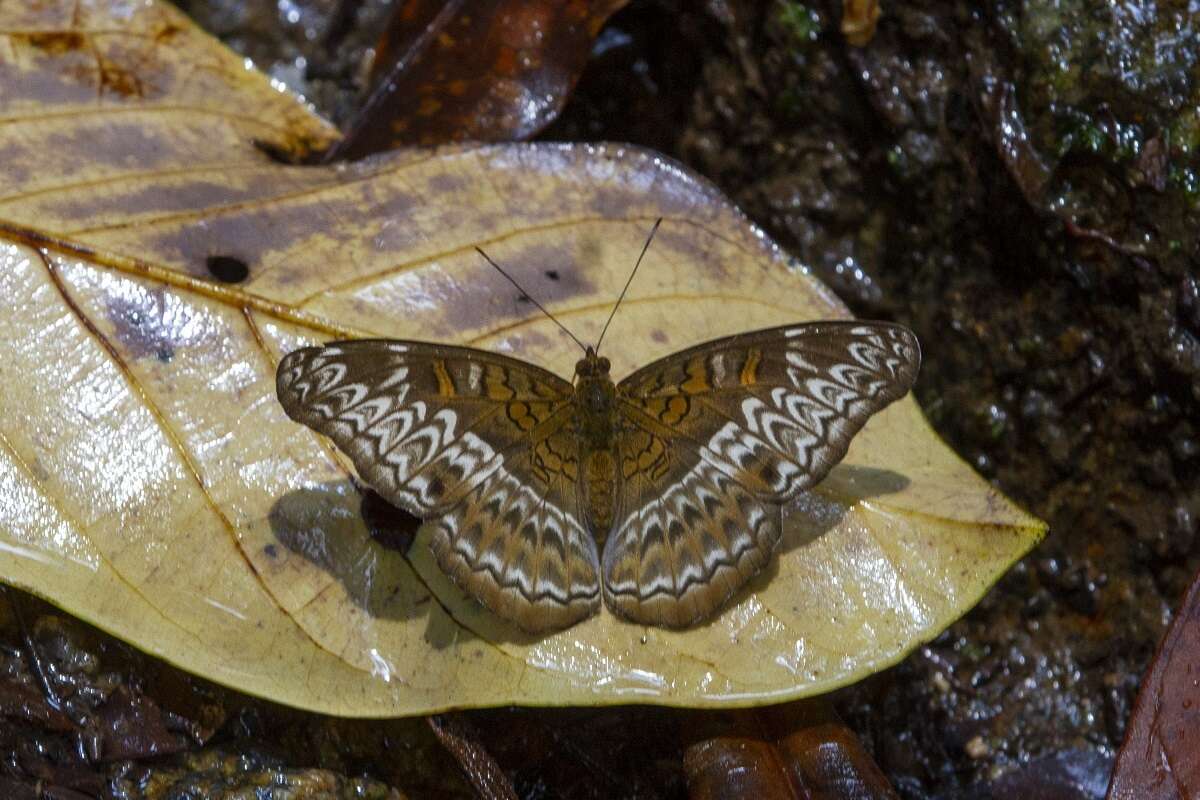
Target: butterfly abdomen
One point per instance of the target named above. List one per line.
(596, 416)
(598, 483)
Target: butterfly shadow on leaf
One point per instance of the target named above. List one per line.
(372, 548)
(820, 510)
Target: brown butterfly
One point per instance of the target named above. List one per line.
(662, 493)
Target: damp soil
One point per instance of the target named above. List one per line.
(1018, 182)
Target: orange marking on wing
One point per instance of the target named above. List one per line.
(519, 413)
(496, 381)
(677, 408)
(749, 374)
(697, 381)
(445, 385)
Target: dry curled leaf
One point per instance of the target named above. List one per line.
(485, 71)
(1160, 757)
(157, 264)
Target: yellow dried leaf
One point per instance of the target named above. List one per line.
(156, 263)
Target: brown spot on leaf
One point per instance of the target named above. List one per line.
(108, 143)
(251, 235)
(447, 183)
(692, 246)
(227, 269)
(44, 86)
(12, 156)
(155, 323)
(53, 42)
(166, 33)
(480, 298)
(161, 198)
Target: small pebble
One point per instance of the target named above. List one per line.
(977, 748)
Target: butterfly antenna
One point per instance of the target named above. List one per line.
(527, 295)
(645, 247)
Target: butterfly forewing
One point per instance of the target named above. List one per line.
(742, 425)
(476, 444)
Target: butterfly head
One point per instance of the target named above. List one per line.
(591, 365)
(595, 393)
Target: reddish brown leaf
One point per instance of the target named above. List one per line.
(133, 726)
(1160, 758)
(460, 738)
(24, 702)
(488, 70)
(728, 767)
(794, 751)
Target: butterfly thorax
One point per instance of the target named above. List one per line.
(595, 404)
(595, 397)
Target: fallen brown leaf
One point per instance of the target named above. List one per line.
(1160, 757)
(485, 70)
(795, 751)
(458, 736)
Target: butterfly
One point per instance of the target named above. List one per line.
(660, 495)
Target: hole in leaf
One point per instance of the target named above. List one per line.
(227, 269)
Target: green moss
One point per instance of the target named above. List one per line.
(802, 24)
(1186, 180)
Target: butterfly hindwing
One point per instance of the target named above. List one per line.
(512, 545)
(475, 444)
(689, 536)
(744, 424)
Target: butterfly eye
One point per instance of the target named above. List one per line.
(582, 367)
(604, 365)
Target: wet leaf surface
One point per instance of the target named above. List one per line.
(1160, 758)
(487, 71)
(29, 704)
(159, 273)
